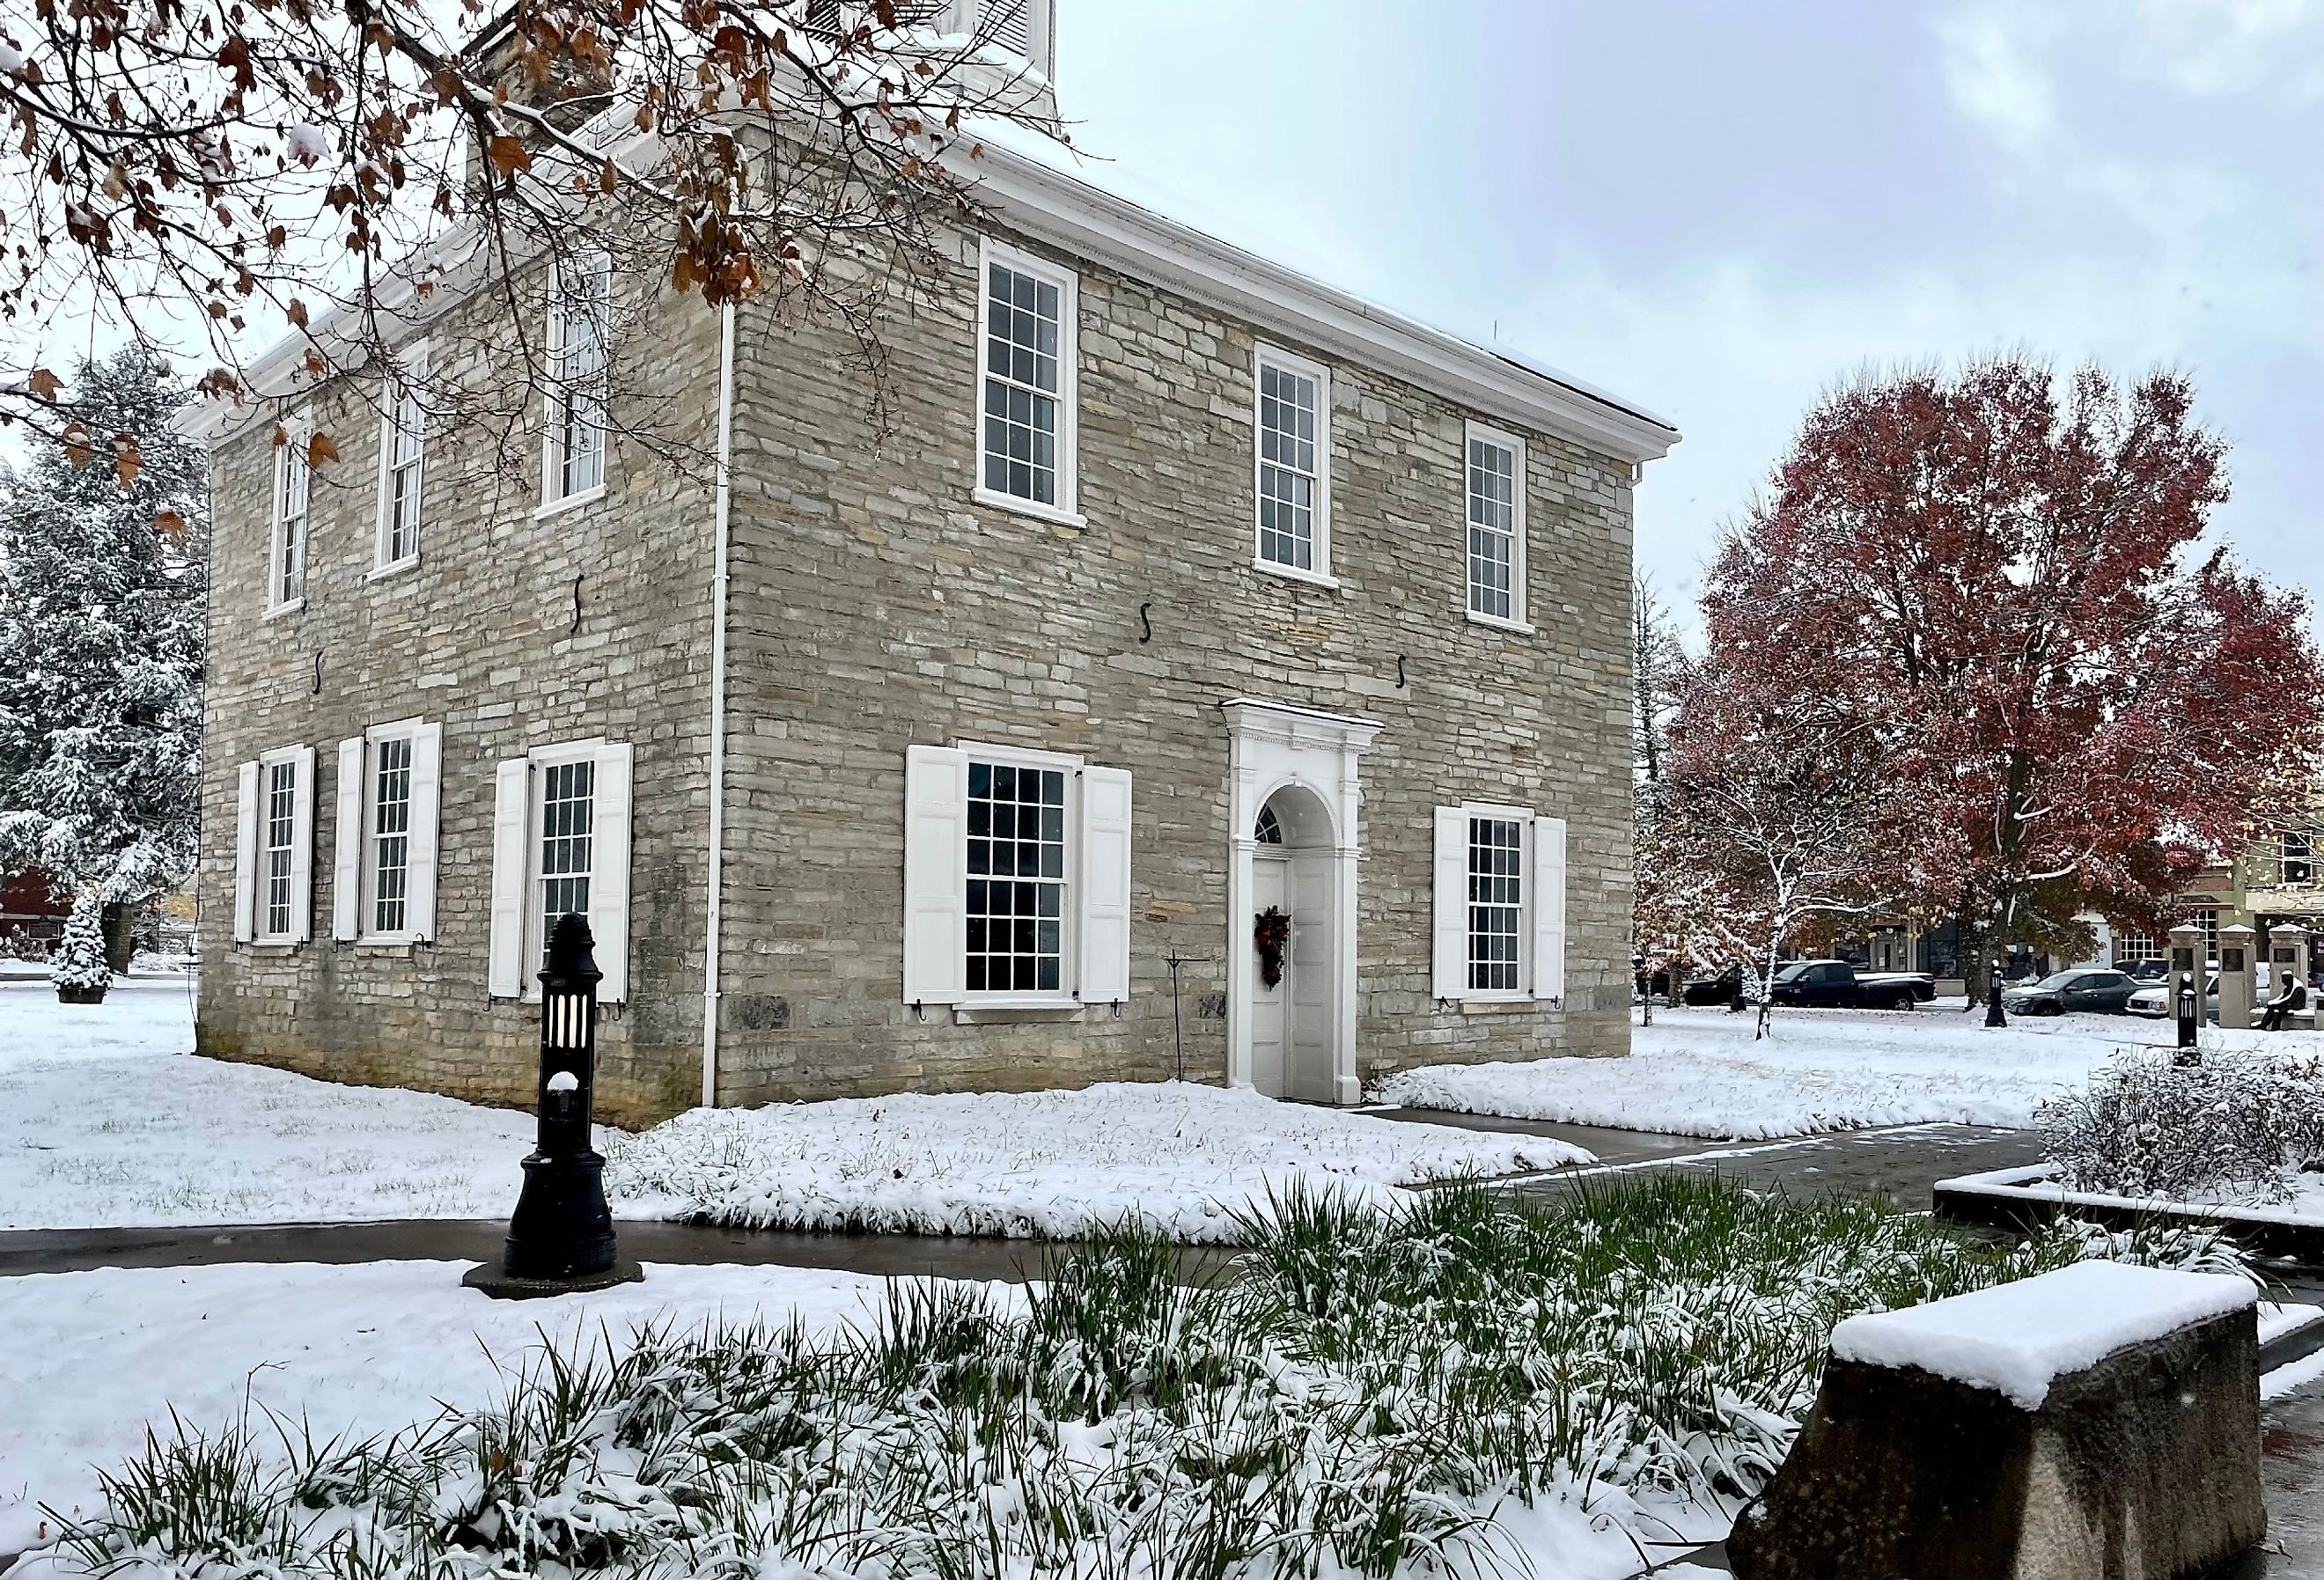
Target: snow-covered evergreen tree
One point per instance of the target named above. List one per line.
(102, 582)
(79, 970)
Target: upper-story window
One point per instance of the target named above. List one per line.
(286, 575)
(1497, 547)
(579, 327)
(402, 436)
(2297, 851)
(1294, 459)
(1026, 325)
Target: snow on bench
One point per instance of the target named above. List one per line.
(2018, 1338)
(2102, 1419)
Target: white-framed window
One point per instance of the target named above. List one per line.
(1017, 878)
(286, 570)
(1027, 311)
(2131, 944)
(580, 328)
(402, 446)
(2296, 857)
(383, 874)
(1496, 492)
(561, 845)
(1293, 460)
(1499, 904)
(275, 847)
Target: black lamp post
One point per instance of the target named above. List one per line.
(560, 1237)
(2190, 1009)
(1992, 1012)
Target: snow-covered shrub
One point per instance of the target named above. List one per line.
(79, 972)
(1367, 1393)
(2149, 1126)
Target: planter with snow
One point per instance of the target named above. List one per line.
(2023, 1198)
(2098, 1421)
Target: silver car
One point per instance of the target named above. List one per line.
(2155, 1002)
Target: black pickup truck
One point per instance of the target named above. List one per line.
(1835, 985)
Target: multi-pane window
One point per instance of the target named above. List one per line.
(391, 832)
(2130, 948)
(1024, 383)
(2298, 858)
(579, 327)
(399, 495)
(1496, 903)
(1290, 481)
(1494, 469)
(281, 814)
(1016, 878)
(293, 478)
(569, 792)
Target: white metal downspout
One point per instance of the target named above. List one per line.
(712, 934)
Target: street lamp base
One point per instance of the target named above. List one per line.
(500, 1284)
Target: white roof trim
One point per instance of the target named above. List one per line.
(1090, 222)
(1102, 228)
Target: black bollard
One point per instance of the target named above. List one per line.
(560, 1238)
(1992, 1012)
(2190, 1010)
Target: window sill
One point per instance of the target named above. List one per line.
(1029, 507)
(570, 502)
(1314, 578)
(275, 946)
(1496, 623)
(1499, 1005)
(1004, 1011)
(281, 611)
(403, 567)
(387, 943)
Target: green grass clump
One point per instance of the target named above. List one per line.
(1360, 1396)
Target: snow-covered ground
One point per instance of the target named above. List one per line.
(1698, 1072)
(91, 1357)
(1177, 1156)
(106, 1119)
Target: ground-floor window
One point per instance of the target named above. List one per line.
(273, 867)
(1016, 906)
(1499, 903)
(560, 847)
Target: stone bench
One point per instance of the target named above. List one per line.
(2097, 1423)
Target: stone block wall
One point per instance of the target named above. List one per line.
(875, 606)
(480, 637)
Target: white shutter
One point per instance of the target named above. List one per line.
(346, 856)
(935, 896)
(512, 816)
(1549, 908)
(245, 851)
(1451, 975)
(302, 849)
(609, 871)
(1106, 885)
(426, 800)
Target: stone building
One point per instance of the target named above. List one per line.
(969, 751)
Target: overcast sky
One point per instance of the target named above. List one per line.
(1715, 209)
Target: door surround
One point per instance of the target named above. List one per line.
(1270, 746)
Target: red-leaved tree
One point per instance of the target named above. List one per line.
(1999, 573)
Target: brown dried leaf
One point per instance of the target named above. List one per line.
(320, 448)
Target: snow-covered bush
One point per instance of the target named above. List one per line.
(1368, 1394)
(2149, 1126)
(79, 972)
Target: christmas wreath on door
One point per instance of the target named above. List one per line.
(1270, 933)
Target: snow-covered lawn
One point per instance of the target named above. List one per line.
(1698, 1072)
(91, 1357)
(1179, 1157)
(106, 1119)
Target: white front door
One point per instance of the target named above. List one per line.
(1270, 882)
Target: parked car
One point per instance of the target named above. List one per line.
(2147, 970)
(1713, 990)
(2155, 1002)
(1835, 985)
(2085, 992)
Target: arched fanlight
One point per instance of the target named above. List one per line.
(1270, 828)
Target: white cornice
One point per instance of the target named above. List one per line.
(1103, 227)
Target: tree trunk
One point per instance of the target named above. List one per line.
(120, 924)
